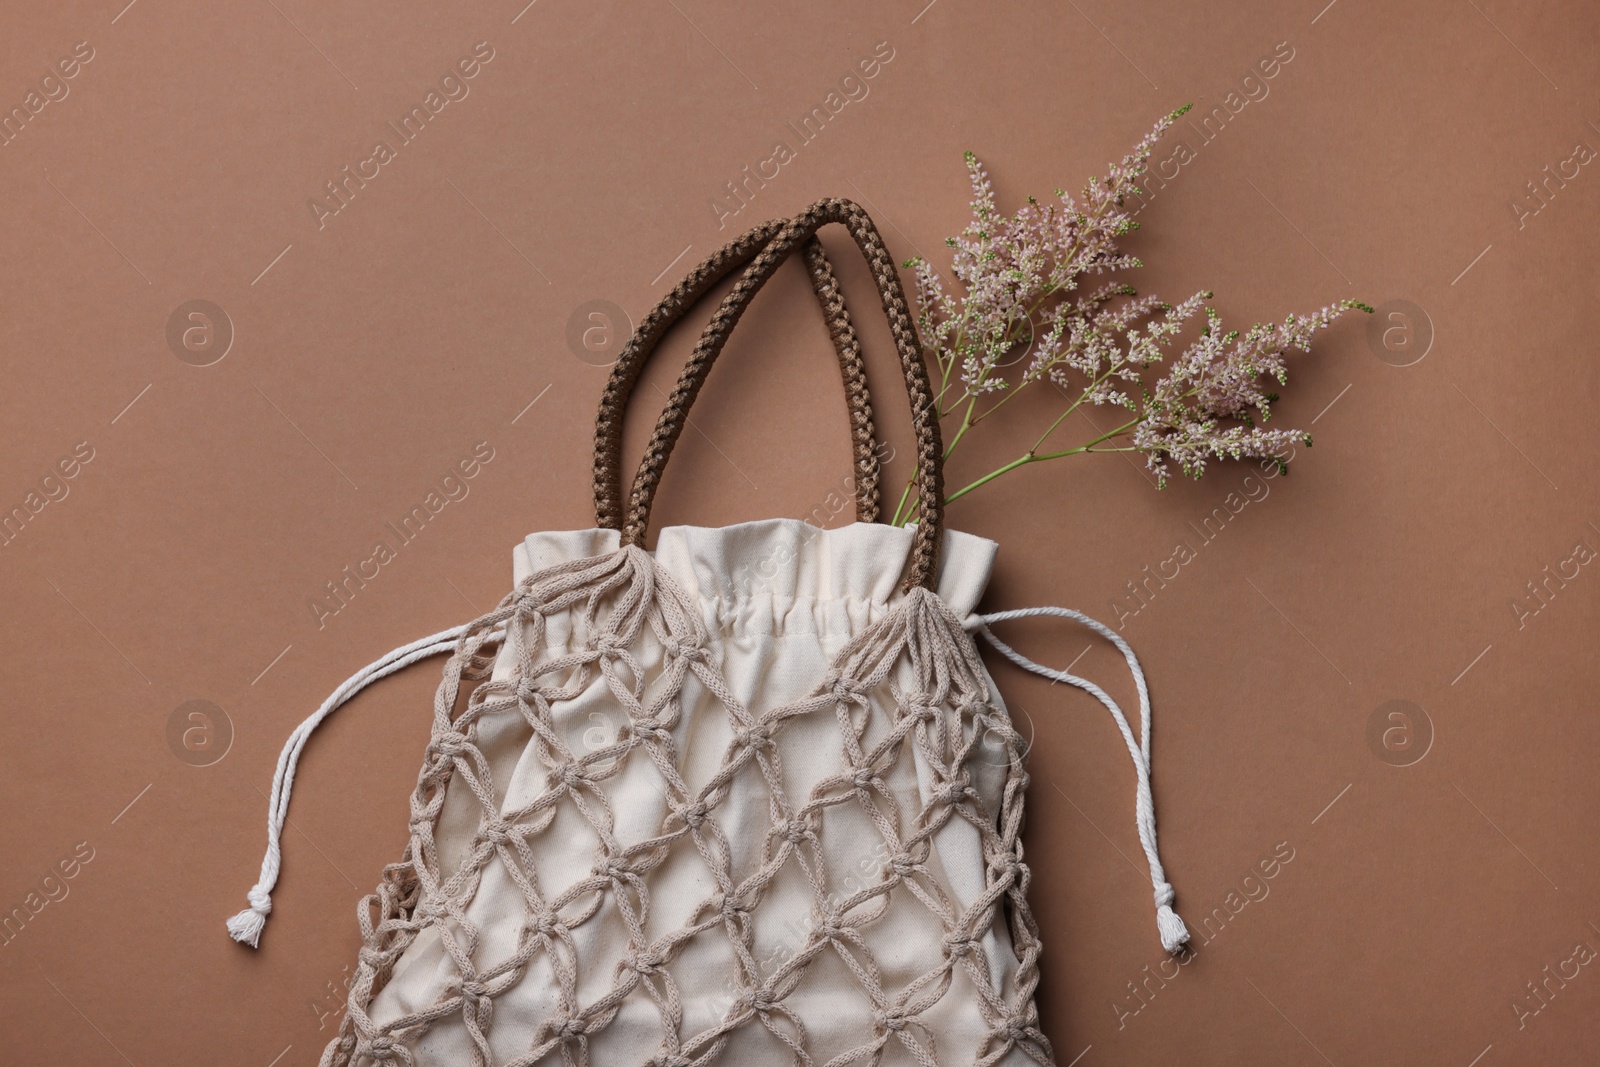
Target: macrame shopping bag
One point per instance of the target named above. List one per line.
(750, 797)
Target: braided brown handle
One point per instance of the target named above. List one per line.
(924, 415)
(641, 346)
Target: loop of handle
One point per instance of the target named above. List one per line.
(641, 346)
(924, 414)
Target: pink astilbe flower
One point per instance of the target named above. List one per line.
(1196, 411)
(1040, 283)
(1015, 267)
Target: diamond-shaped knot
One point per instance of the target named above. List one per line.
(761, 1000)
(733, 908)
(649, 730)
(693, 815)
(830, 927)
(972, 704)
(473, 989)
(795, 830)
(891, 1021)
(449, 744)
(647, 960)
(863, 777)
(1016, 1030)
(609, 645)
(678, 650)
(571, 774)
(844, 690)
(952, 793)
(610, 868)
(902, 864)
(568, 1029)
(530, 692)
(382, 1048)
(919, 705)
(548, 924)
(957, 945)
(1005, 863)
(757, 736)
(496, 832)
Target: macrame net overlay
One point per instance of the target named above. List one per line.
(620, 853)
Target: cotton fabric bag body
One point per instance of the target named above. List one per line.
(750, 797)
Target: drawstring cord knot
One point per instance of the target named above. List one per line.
(246, 926)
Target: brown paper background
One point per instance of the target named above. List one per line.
(370, 355)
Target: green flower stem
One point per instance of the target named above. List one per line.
(967, 425)
(905, 498)
(1020, 461)
(1071, 408)
(903, 514)
(1032, 456)
(905, 509)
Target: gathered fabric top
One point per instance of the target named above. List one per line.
(780, 576)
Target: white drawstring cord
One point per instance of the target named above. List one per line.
(1173, 933)
(246, 926)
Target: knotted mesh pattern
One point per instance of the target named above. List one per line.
(906, 691)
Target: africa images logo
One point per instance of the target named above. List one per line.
(352, 178)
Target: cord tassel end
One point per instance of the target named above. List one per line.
(246, 926)
(1174, 935)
